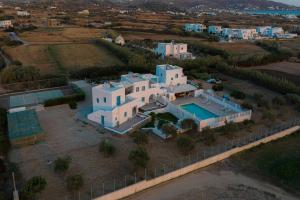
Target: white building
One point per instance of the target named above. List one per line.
(6, 24)
(120, 40)
(215, 30)
(175, 50)
(23, 13)
(117, 102)
(198, 28)
(268, 31)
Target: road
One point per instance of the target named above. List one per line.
(214, 185)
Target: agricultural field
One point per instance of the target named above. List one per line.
(54, 58)
(56, 35)
(239, 48)
(293, 44)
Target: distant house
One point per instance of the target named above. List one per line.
(268, 31)
(175, 50)
(23, 13)
(84, 12)
(6, 24)
(215, 30)
(53, 23)
(108, 39)
(239, 33)
(198, 28)
(120, 40)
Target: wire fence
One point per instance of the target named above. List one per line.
(98, 189)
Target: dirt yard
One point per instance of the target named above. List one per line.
(211, 183)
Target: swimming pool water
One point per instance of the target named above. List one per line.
(200, 112)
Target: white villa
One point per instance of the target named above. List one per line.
(122, 105)
(120, 40)
(23, 13)
(198, 28)
(175, 50)
(268, 31)
(214, 30)
(6, 24)
(242, 34)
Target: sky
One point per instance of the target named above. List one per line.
(292, 2)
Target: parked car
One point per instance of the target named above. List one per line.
(214, 81)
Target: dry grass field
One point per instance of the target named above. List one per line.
(45, 35)
(76, 56)
(286, 67)
(239, 47)
(33, 55)
(50, 59)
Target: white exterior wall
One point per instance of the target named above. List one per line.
(111, 97)
(5, 23)
(170, 49)
(194, 28)
(23, 13)
(170, 76)
(214, 29)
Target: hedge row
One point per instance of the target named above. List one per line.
(79, 95)
(273, 83)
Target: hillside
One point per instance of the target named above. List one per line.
(208, 4)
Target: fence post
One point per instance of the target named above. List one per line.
(91, 191)
(135, 177)
(114, 184)
(102, 188)
(125, 181)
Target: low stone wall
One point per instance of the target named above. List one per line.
(145, 184)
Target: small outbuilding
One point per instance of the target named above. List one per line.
(120, 40)
(24, 128)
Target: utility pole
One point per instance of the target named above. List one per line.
(15, 192)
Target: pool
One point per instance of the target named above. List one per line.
(200, 112)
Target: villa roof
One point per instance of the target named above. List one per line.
(182, 88)
(133, 77)
(168, 67)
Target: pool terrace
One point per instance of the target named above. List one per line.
(208, 105)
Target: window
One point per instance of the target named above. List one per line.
(176, 75)
(125, 114)
(137, 89)
(172, 78)
(104, 99)
(143, 99)
(143, 88)
(97, 100)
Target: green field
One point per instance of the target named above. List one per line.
(278, 162)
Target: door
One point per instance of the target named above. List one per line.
(118, 100)
(102, 120)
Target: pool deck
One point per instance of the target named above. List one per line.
(204, 103)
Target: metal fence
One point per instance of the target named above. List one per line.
(98, 189)
(33, 85)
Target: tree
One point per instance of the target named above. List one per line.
(62, 164)
(139, 157)
(106, 148)
(185, 144)
(74, 182)
(279, 100)
(33, 186)
(169, 129)
(188, 124)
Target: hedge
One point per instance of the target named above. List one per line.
(78, 96)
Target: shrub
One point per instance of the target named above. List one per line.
(279, 100)
(247, 105)
(139, 157)
(218, 87)
(19, 73)
(169, 129)
(293, 98)
(188, 124)
(62, 164)
(209, 137)
(185, 144)
(74, 182)
(269, 115)
(140, 137)
(33, 186)
(106, 148)
(73, 105)
(238, 94)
